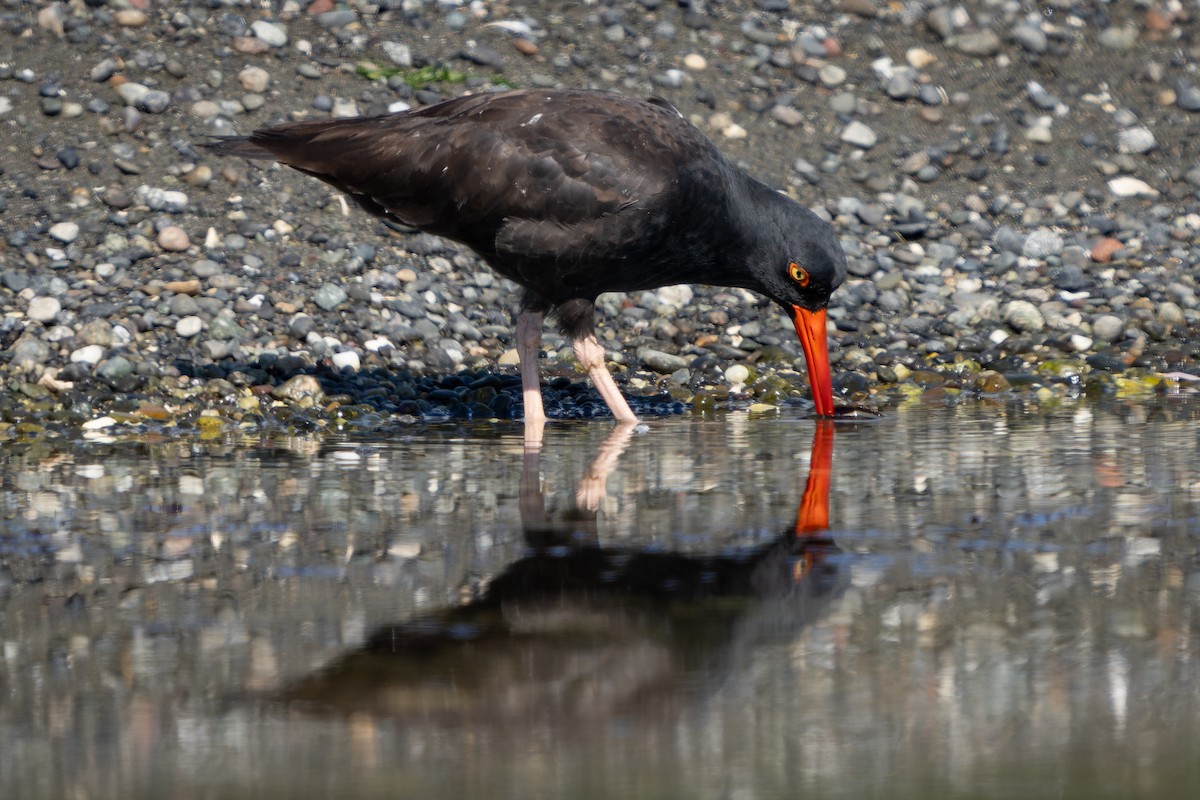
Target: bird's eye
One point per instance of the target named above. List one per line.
(798, 273)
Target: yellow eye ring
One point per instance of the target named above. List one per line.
(798, 273)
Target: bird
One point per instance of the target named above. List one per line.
(572, 193)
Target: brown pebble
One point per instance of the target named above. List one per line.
(200, 176)
(936, 394)
(183, 287)
(1158, 20)
(131, 18)
(152, 411)
(864, 8)
(927, 378)
(117, 198)
(525, 47)
(1103, 250)
(50, 19)
(833, 48)
(1174, 356)
(174, 239)
(175, 547)
(250, 45)
(319, 7)
(787, 116)
(299, 387)
(992, 382)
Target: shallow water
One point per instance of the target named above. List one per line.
(1005, 603)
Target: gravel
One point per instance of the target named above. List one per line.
(1017, 222)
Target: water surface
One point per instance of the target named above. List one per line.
(1005, 603)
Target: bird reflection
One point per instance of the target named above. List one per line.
(578, 631)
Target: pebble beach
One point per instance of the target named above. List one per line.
(1016, 186)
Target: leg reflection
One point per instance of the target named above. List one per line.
(591, 491)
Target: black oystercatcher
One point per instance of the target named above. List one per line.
(571, 194)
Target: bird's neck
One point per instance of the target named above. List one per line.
(726, 234)
(755, 219)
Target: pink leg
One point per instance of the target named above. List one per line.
(529, 335)
(591, 356)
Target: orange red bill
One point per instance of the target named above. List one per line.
(810, 327)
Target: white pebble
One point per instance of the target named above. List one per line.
(675, 296)
(695, 62)
(343, 108)
(832, 75)
(883, 68)
(405, 550)
(1126, 186)
(1039, 132)
(64, 232)
(88, 354)
(43, 309)
(204, 109)
(382, 343)
(1136, 140)
(168, 200)
(271, 33)
(1108, 327)
(346, 358)
(254, 79)
(720, 120)
(130, 92)
(859, 135)
(737, 375)
(189, 326)
(919, 57)
(399, 53)
(734, 131)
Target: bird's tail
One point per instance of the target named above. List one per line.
(243, 146)
(313, 146)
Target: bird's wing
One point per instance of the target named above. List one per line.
(512, 172)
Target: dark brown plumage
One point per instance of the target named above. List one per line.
(571, 194)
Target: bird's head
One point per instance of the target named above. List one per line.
(800, 276)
